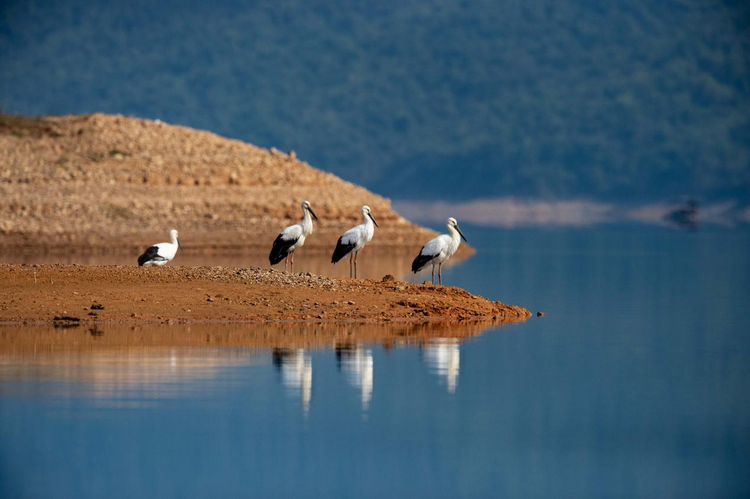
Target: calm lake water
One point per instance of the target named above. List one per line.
(635, 384)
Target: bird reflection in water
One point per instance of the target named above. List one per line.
(295, 366)
(443, 358)
(357, 365)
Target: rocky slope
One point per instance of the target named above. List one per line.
(116, 183)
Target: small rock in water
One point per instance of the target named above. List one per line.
(97, 306)
(66, 318)
(540, 314)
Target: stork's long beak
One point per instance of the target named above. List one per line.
(461, 233)
(313, 213)
(373, 220)
(178, 244)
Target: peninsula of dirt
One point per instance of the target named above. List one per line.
(74, 294)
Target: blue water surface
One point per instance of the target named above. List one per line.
(634, 384)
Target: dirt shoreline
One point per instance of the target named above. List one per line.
(76, 294)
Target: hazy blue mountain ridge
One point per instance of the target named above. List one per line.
(617, 100)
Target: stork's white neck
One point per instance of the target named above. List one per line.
(173, 237)
(307, 223)
(369, 227)
(455, 239)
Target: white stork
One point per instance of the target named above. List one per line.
(354, 239)
(292, 238)
(162, 253)
(439, 250)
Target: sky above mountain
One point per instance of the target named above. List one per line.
(456, 100)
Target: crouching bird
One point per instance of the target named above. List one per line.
(162, 253)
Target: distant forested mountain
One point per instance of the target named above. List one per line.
(624, 99)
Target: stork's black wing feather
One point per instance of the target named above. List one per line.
(341, 250)
(150, 254)
(420, 261)
(280, 249)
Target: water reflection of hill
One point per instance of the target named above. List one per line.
(126, 377)
(41, 340)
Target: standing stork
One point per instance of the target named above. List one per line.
(439, 250)
(292, 237)
(162, 253)
(354, 239)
